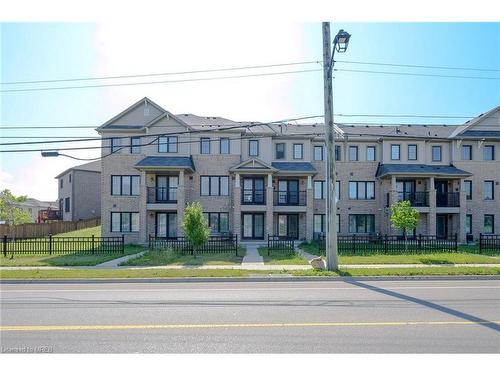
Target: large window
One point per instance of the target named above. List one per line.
(125, 185)
(214, 185)
(361, 190)
(353, 153)
(437, 153)
(124, 222)
(253, 147)
(468, 189)
(319, 189)
(166, 188)
(489, 152)
(468, 224)
(224, 146)
(116, 145)
(167, 144)
(67, 207)
(488, 190)
(280, 151)
(371, 153)
(489, 224)
(395, 152)
(361, 223)
(204, 145)
(466, 152)
(412, 152)
(218, 222)
(338, 153)
(298, 150)
(318, 153)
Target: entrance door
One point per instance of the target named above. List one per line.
(442, 226)
(405, 189)
(288, 192)
(252, 226)
(166, 224)
(441, 193)
(288, 226)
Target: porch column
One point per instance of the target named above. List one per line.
(431, 223)
(181, 202)
(309, 210)
(143, 211)
(269, 205)
(393, 198)
(462, 212)
(236, 227)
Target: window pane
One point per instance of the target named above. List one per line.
(162, 144)
(205, 185)
(337, 153)
(318, 152)
(161, 225)
(395, 152)
(172, 225)
(214, 221)
(466, 152)
(353, 190)
(297, 151)
(224, 185)
(224, 146)
(318, 190)
(115, 222)
(116, 183)
(352, 223)
(115, 144)
(337, 190)
(205, 145)
(172, 144)
(135, 222)
(224, 222)
(488, 224)
(370, 190)
(488, 190)
(253, 148)
(135, 185)
(436, 153)
(412, 152)
(370, 224)
(370, 153)
(353, 153)
(318, 228)
(361, 190)
(489, 152)
(125, 221)
(280, 150)
(468, 224)
(126, 185)
(135, 147)
(214, 185)
(468, 189)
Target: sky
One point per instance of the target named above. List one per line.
(45, 51)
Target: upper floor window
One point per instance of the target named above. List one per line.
(361, 190)
(224, 146)
(61, 205)
(125, 185)
(370, 153)
(436, 153)
(489, 224)
(412, 152)
(395, 152)
(124, 222)
(280, 151)
(466, 152)
(318, 152)
(298, 150)
(204, 145)
(214, 185)
(69, 178)
(167, 144)
(488, 190)
(337, 190)
(489, 152)
(115, 145)
(337, 153)
(353, 153)
(319, 189)
(468, 189)
(253, 147)
(67, 205)
(135, 145)
(61, 182)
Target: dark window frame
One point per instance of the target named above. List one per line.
(492, 147)
(468, 189)
(220, 177)
(357, 153)
(437, 147)
(276, 151)
(416, 151)
(205, 141)
(492, 190)
(393, 146)
(492, 223)
(122, 213)
(301, 151)
(468, 220)
(374, 148)
(323, 189)
(114, 146)
(372, 218)
(322, 153)
(67, 204)
(225, 139)
(131, 178)
(208, 217)
(469, 147)
(167, 229)
(171, 146)
(135, 148)
(357, 190)
(338, 152)
(256, 142)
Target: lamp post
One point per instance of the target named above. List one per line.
(340, 43)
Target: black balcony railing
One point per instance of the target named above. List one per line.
(290, 198)
(253, 196)
(162, 195)
(448, 199)
(416, 198)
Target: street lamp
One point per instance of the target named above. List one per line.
(340, 43)
(54, 154)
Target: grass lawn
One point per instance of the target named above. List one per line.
(164, 257)
(281, 257)
(87, 232)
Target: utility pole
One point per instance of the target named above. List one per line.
(332, 259)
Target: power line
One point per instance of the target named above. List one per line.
(414, 74)
(162, 74)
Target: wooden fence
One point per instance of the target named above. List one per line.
(385, 244)
(34, 230)
(62, 245)
(215, 244)
(489, 243)
(279, 243)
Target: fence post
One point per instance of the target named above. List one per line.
(5, 245)
(123, 243)
(354, 244)
(93, 248)
(50, 244)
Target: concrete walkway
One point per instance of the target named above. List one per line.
(252, 258)
(113, 263)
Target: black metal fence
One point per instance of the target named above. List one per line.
(215, 244)
(489, 243)
(62, 245)
(385, 244)
(279, 243)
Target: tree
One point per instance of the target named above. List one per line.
(9, 212)
(195, 225)
(405, 217)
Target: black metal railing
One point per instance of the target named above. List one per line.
(416, 198)
(489, 243)
(279, 243)
(223, 243)
(448, 199)
(162, 195)
(62, 245)
(290, 198)
(253, 196)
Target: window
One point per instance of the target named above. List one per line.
(466, 152)
(61, 203)
(468, 189)
(488, 190)
(69, 177)
(370, 153)
(125, 185)
(218, 222)
(395, 152)
(204, 145)
(361, 190)
(319, 189)
(166, 224)
(224, 146)
(214, 185)
(61, 183)
(337, 190)
(361, 223)
(436, 153)
(115, 145)
(468, 224)
(166, 189)
(489, 224)
(124, 221)
(253, 147)
(353, 153)
(167, 144)
(280, 151)
(135, 145)
(319, 223)
(66, 205)
(318, 152)
(489, 152)
(337, 153)
(412, 152)
(298, 150)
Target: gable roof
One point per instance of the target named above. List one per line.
(467, 130)
(419, 169)
(252, 165)
(93, 166)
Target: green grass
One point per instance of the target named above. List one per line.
(87, 232)
(434, 271)
(164, 257)
(281, 257)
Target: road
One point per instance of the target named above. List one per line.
(344, 316)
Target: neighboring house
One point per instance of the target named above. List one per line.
(33, 206)
(260, 179)
(79, 192)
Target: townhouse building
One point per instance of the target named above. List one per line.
(256, 179)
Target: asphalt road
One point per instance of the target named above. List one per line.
(404, 316)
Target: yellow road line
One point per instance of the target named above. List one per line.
(234, 325)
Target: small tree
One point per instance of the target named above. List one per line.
(8, 212)
(195, 225)
(405, 217)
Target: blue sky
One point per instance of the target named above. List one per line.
(52, 51)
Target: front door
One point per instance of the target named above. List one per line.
(441, 193)
(166, 224)
(252, 226)
(288, 226)
(442, 226)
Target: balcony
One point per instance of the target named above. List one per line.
(253, 196)
(290, 198)
(448, 199)
(417, 198)
(162, 195)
